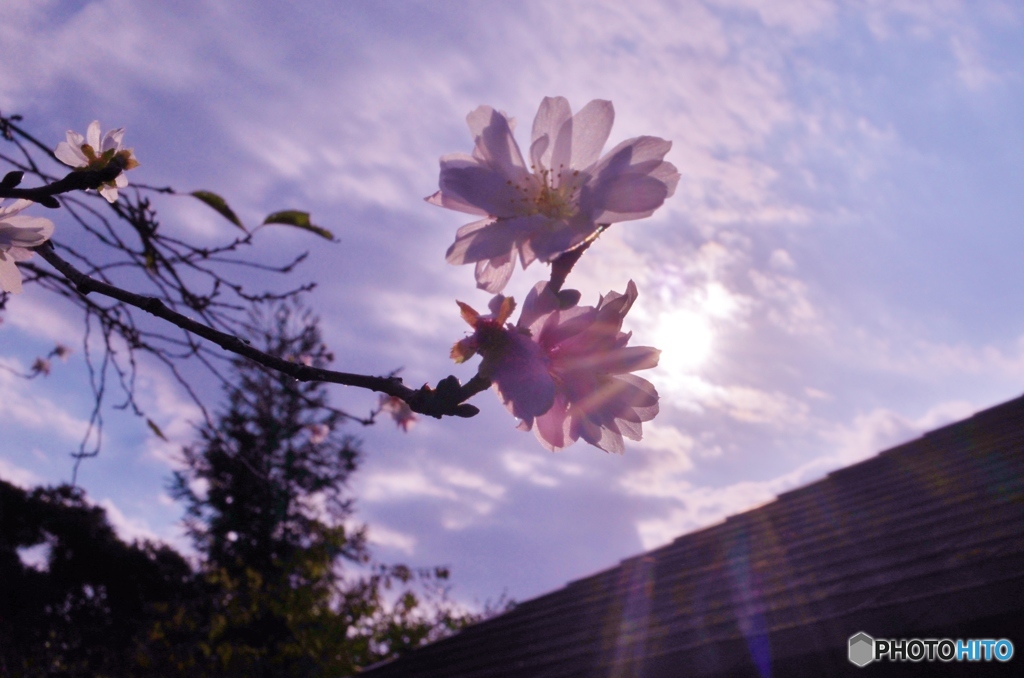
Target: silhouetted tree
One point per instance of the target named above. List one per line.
(296, 590)
(86, 605)
(286, 584)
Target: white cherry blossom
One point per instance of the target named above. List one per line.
(17, 233)
(559, 201)
(95, 152)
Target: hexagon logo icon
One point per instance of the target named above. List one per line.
(862, 649)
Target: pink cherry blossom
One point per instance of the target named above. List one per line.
(399, 410)
(94, 152)
(566, 372)
(561, 200)
(17, 233)
(318, 433)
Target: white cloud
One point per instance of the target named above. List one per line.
(787, 299)
(20, 403)
(128, 528)
(797, 16)
(396, 485)
(388, 538)
(666, 459)
(17, 475)
(955, 22)
(34, 314)
(530, 467)
(910, 355)
(164, 401)
(463, 496)
(883, 428)
(742, 403)
(780, 260)
(971, 68)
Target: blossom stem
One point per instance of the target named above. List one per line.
(446, 400)
(563, 263)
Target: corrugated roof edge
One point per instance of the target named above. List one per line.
(1000, 411)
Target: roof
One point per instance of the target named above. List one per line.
(923, 540)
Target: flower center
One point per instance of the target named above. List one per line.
(540, 195)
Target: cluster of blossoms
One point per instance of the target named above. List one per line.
(19, 232)
(562, 369)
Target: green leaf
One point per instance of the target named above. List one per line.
(218, 203)
(298, 220)
(156, 429)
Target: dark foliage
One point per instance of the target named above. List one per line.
(295, 591)
(87, 607)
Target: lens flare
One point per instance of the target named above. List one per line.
(685, 339)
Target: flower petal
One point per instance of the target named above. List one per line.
(539, 303)
(630, 196)
(630, 182)
(561, 326)
(109, 192)
(492, 239)
(553, 428)
(559, 237)
(20, 254)
(112, 140)
(14, 208)
(619, 361)
(495, 144)
(590, 130)
(601, 436)
(452, 202)
(481, 187)
(10, 276)
(493, 274)
(92, 135)
(24, 231)
(521, 377)
(635, 151)
(75, 140)
(551, 141)
(643, 397)
(70, 154)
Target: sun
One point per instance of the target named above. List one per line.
(685, 339)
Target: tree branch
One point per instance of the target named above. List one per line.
(447, 399)
(76, 180)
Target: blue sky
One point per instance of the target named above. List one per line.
(837, 272)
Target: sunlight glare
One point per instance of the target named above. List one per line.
(684, 338)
